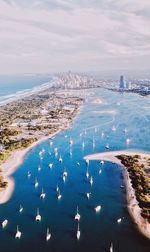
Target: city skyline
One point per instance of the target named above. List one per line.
(51, 36)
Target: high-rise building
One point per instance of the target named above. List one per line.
(122, 82)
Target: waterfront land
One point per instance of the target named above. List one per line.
(26, 122)
(137, 178)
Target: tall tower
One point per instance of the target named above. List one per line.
(121, 82)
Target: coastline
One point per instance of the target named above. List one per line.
(12, 164)
(142, 224)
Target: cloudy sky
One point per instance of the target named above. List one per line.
(39, 36)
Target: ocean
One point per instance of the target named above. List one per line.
(98, 230)
(14, 87)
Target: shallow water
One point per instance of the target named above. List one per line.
(97, 230)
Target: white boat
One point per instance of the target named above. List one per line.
(39, 168)
(87, 174)
(97, 209)
(60, 159)
(50, 165)
(102, 134)
(71, 142)
(83, 145)
(20, 209)
(43, 194)
(87, 161)
(38, 216)
(91, 180)
(128, 141)
(55, 149)
(78, 163)
(113, 128)
(100, 171)
(77, 216)
(88, 195)
(65, 173)
(48, 235)
(4, 223)
(64, 178)
(29, 174)
(51, 143)
(59, 195)
(66, 136)
(78, 233)
(101, 162)
(18, 234)
(111, 247)
(125, 130)
(57, 189)
(36, 183)
(119, 220)
(107, 146)
(95, 129)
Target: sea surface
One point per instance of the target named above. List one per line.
(14, 87)
(90, 132)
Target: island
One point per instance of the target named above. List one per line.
(136, 167)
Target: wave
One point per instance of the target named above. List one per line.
(26, 92)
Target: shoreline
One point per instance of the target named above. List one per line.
(13, 163)
(142, 224)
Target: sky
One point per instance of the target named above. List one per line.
(43, 36)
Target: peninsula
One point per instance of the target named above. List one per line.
(137, 178)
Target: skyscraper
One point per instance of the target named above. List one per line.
(121, 82)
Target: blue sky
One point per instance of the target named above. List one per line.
(41, 36)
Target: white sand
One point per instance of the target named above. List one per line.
(142, 224)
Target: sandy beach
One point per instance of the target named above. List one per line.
(142, 224)
(14, 161)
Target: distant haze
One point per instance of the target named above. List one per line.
(39, 36)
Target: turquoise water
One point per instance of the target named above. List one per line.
(97, 230)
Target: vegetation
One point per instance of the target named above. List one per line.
(140, 181)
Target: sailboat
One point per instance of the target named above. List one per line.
(119, 220)
(4, 223)
(59, 195)
(71, 141)
(50, 166)
(87, 161)
(91, 180)
(113, 128)
(48, 235)
(100, 171)
(60, 159)
(78, 233)
(111, 247)
(20, 209)
(65, 173)
(39, 168)
(87, 173)
(18, 233)
(107, 146)
(43, 194)
(29, 174)
(97, 209)
(77, 216)
(36, 183)
(57, 188)
(38, 216)
(88, 195)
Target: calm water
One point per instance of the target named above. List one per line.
(97, 230)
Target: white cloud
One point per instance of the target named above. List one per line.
(57, 35)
